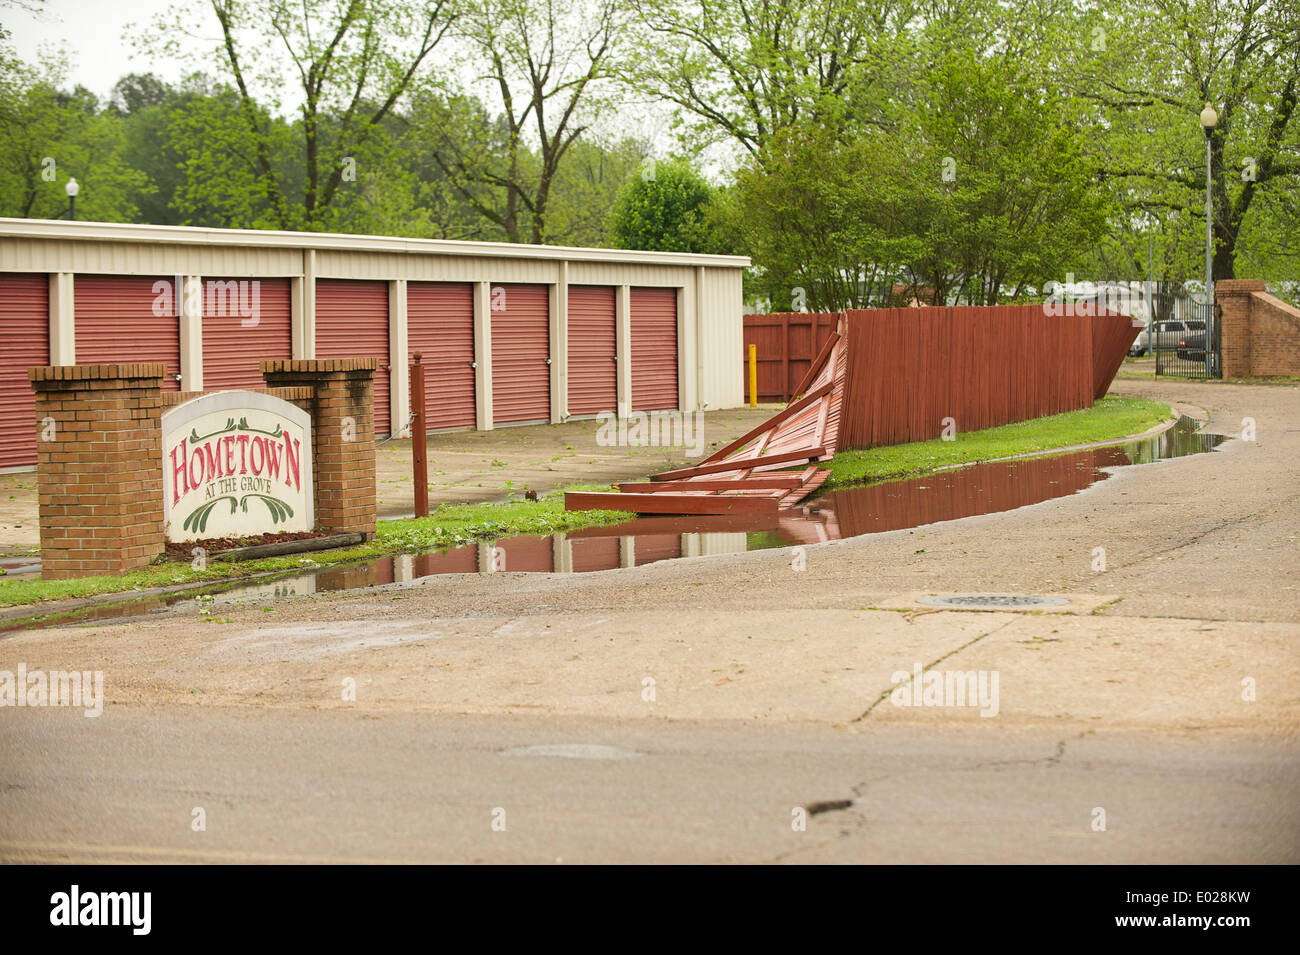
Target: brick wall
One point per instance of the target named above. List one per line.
(99, 467)
(99, 456)
(1259, 334)
(343, 435)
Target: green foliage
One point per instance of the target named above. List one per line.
(50, 136)
(451, 525)
(979, 187)
(1070, 132)
(665, 207)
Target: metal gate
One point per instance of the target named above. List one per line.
(129, 319)
(352, 322)
(440, 326)
(654, 349)
(521, 350)
(245, 321)
(1183, 336)
(593, 365)
(25, 342)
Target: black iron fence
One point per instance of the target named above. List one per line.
(1183, 336)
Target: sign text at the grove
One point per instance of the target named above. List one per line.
(236, 464)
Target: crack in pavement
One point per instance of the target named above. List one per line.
(858, 791)
(884, 695)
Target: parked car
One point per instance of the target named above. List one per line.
(1167, 334)
(1142, 344)
(1191, 347)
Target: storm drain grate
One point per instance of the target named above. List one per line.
(993, 601)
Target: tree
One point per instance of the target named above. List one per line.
(49, 136)
(978, 190)
(666, 208)
(1162, 62)
(544, 63)
(744, 69)
(349, 61)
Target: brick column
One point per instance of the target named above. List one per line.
(343, 436)
(99, 467)
(1232, 299)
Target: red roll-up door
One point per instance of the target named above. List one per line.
(594, 553)
(521, 346)
(649, 548)
(352, 322)
(593, 370)
(245, 321)
(116, 322)
(24, 342)
(654, 349)
(440, 325)
(531, 554)
(458, 560)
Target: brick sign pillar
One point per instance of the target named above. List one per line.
(99, 467)
(343, 436)
(1233, 298)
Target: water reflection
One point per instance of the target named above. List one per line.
(894, 505)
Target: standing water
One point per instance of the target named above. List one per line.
(832, 515)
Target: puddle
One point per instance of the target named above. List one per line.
(849, 512)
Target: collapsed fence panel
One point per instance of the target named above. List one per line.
(892, 376)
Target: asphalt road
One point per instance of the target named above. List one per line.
(284, 785)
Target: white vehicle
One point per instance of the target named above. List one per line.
(1142, 344)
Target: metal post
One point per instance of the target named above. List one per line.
(1209, 259)
(753, 376)
(419, 439)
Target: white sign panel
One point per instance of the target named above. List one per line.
(236, 464)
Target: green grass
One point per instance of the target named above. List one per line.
(1108, 419)
(451, 525)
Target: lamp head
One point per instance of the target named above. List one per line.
(72, 188)
(1209, 118)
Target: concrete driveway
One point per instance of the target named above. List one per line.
(1166, 692)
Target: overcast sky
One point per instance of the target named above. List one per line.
(91, 31)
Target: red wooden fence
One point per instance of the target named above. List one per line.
(911, 368)
(787, 343)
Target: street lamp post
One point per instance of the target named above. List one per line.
(1209, 119)
(72, 188)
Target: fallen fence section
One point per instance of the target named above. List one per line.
(891, 376)
(751, 475)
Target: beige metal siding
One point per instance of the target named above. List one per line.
(722, 339)
(129, 258)
(333, 263)
(606, 273)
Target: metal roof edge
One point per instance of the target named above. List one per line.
(84, 231)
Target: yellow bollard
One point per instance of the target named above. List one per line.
(753, 376)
